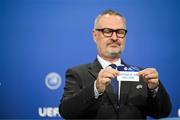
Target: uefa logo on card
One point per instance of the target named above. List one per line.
(53, 80)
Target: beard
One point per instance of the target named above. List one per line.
(113, 53)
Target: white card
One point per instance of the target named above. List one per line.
(128, 76)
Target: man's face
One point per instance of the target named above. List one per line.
(109, 47)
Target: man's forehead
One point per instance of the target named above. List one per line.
(111, 19)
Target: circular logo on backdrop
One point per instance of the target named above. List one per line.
(53, 80)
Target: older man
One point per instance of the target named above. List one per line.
(92, 91)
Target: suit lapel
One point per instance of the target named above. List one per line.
(95, 68)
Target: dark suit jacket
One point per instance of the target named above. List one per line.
(78, 101)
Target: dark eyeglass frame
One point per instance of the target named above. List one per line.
(111, 31)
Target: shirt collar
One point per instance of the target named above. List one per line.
(105, 63)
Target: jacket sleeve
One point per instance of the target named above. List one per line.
(77, 98)
(160, 105)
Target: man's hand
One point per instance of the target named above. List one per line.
(104, 78)
(150, 75)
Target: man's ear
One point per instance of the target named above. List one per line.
(94, 33)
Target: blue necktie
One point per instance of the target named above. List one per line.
(114, 81)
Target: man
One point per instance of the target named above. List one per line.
(89, 90)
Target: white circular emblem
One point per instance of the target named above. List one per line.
(125, 68)
(53, 80)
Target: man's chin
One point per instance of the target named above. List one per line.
(114, 54)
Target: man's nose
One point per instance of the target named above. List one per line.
(114, 36)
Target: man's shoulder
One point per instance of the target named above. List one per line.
(85, 66)
(81, 69)
(80, 66)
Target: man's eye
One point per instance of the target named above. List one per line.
(121, 32)
(107, 31)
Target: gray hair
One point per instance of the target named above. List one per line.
(108, 12)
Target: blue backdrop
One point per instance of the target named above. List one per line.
(38, 37)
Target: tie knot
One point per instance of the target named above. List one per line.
(114, 66)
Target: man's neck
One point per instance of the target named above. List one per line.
(110, 59)
(104, 62)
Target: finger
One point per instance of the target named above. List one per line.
(106, 81)
(153, 81)
(143, 72)
(112, 71)
(151, 76)
(108, 75)
(146, 71)
(140, 73)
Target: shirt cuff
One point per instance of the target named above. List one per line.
(96, 93)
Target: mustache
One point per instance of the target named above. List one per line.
(114, 43)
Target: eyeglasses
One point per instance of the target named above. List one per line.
(108, 32)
